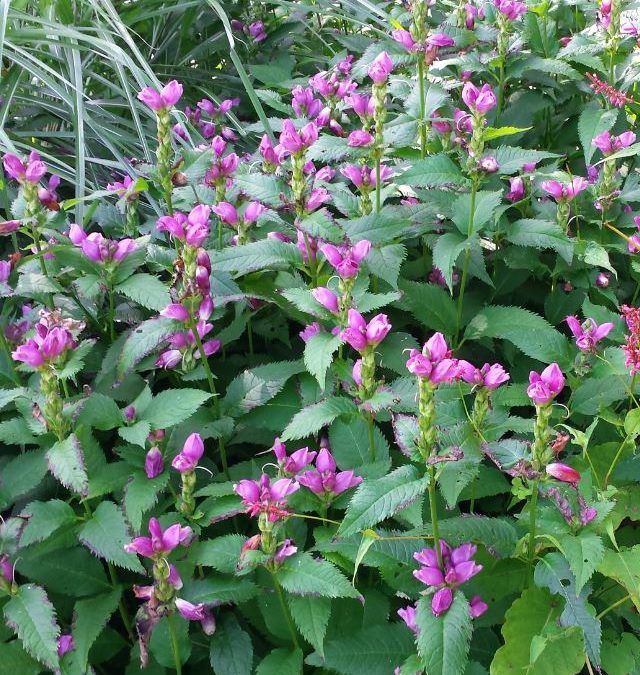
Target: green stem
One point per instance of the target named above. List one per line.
(175, 647)
(433, 507)
(614, 462)
(312, 260)
(43, 265)
(531, 549)
(124, 612)
(617, 603)
(500, 91)
(112, 312)
(285, 610)
(423, 121)
(372, 441)
(7, 349)
(378, 186)
(465, 264)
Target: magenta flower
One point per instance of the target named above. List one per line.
(125, 189)
(304, 104)
(324, 481)
(362, 335)
(98, 249)
(362, 105)
(257, 32)
(263, 497)
(408, 615)
(154, 462)
(5, 271)
(381, 68)
(30, 172)
(511, 9)
(609, 144)
(489, 164)
(433, 363)
(489, 376)
(295, 462)
(440, 40)
(404, 38)
(589, 333)
(457, 568)
(48, 196)
(363, 177)
(477, 607)
(267, 151)
(199, 612)
(9, 226)
(359, 138)
(226, 212)
(253, 211)
(164, 99)
(516, 192)
(65, 644)
(356, 372)
(346, 260)
(286, 550)
(441, 127)
(479, 101)
(602, 279)
(566, 191)
(327, 298)
(309, 331)
(192, 450)
(294, 141)
(176, 312)
(45, 346)
(544, 387)
(161, 542)
(317, 198)
(562, 472)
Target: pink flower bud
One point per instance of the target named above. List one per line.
(154, 462)
(562, 472)
(176, 312)
(188, 458)
(381, 68)
(327, 298)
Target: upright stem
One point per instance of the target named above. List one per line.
(7, 349)
(433, 508)
(124, 613)
(465, 264)
(378, 186)
(112, 329)
(531, 548)
(423, 121)
(372, 441)
(175, 647)
(285, 610)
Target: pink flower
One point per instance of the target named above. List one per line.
(65, 644)
(192, 450)
(359, 138)
(356, 372)
(361, 335)
(31, 172)
(164, 99)
(257, 31)
(602, 280)
(479, 100)
(309, 331)
(176, 312)
(294, 141)
(362, 105)
(199, 612)
(516, 192)
(404, 38)
(408, 615)
(9, 226)
(263, 497)
(489, 376)
(324, 481)
(304, 103)
(609, 144)
(327, 298)
(160, 543)
(440, 40)
(226, 212)
(565, 191)
(267, 151)
(511, 9)
(544, 387)
(489, 164)
(381, 68)
(296, 461)
(285, 551)
(477, 607)
(589, 333)
(433, 363)
(154, 462)
(441, 601)
(346, 260)
(317, 198)
(562, 472)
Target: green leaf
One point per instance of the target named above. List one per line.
(100, 412)
(446, 251)
(376, 500)
(553, 572)
(632, 422)
(30, 614)
(66, 463)
(491, 133)
(161, 643)
(142, 341)
(311, 616)
(529, 332)
(172, 406)
(431, 305)
(90, 616)
(146, 290)
(485, 206)
(533, 643)
(593, 121)
(216, 589)
(75, 363)
(583, 554)
(443, 641)
(258, 255)
(312, 418)
(432, 171)
(624, 567)
(23, 473)
(265, 188)
(304, 575)
(385, 262)
(350, 444)
(141, 495)
(221, 553)
(105, 535)
(15, 659)
(231, 651)
(9, 395)
(136, 434)
(511, 159)
(281, 662)
(541, 234)
(376, 650)
(44, 518)
(318, 355)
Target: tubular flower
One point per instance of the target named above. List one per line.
(362, 335)
(161, 542)
(433, 363)
(589, 333)
(263, 497)
(544, 387)
(346, 260)
(325, 481)
(294, 463)
(164, 99)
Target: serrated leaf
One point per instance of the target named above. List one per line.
(257, 255)
(624, 567)
(146, 290)
(142, 341)
(443, 641)
(511, 159)
(89, 619)
(385, 262)
(446, 251)
(350, 443)
(66, 463)
(33, 618)
(312, 418)
(593, 121)
(529, 332)
(541, 234)
(431, 305)
(434, 170)
(44, 518)
(100, 412)
(15, 659)
(265, 188)
(172, 406)
(491, 133)
(533, 643)
(221, 553)
(217, 589)
(281, 662)
(376, 500)
(311, 616)
(105, 535)
(318, 355)
(75, 363)
(231, 651)
(485, 205)
(23, 473)
(553, 572)
(136, 434)
(583, 554)
(304, 575)
(141, 495)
